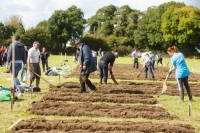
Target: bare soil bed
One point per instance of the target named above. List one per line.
(126, 72)
(113, 98)
(130, 88)
(100, 110)
(87, 126)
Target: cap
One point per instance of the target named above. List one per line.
(36, 42)
(116, 54)
(78, 41)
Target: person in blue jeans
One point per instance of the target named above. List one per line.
(182, 71)
(20, 57)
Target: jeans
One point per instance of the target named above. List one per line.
(148, 67)
(135, 63)
(103, 68)
(17, 68)
(45, 62)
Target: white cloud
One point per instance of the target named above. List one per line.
(34, 11)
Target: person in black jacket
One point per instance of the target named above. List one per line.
(87, 66)
(107, 58)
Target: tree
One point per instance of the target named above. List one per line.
(180, 26)
(14, 20)
(66, 25)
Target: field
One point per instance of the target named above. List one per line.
(132, 105)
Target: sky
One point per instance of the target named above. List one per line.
(35, 11)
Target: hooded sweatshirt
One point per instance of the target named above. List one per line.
(20, 53)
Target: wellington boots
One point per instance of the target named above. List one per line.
(190, 95)
(181, 94)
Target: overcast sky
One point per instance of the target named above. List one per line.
(34, 11)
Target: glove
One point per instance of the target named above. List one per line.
(111, 72)
(170, 72)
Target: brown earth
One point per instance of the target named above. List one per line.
(126, 72)
(130, 88)
(100, 110)
(113, 98)
(41, 125)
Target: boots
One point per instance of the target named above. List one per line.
(181, 94)
(189, 94)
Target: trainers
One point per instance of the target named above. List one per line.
(92, 91)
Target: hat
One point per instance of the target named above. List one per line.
(116, 54)
(78, 41)
(36, 42)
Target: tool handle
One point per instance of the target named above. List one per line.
(38, 75)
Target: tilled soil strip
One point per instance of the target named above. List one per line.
(86, 126)
(100, 110)
(126, 72)
(131, 88)
(113, 98)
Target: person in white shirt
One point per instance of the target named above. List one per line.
(33, 62)
(147, 65)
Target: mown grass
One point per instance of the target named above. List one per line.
(21, 106)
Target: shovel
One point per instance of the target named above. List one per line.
(140, 72)
(50, 85)
(164, 86)
(113, 79)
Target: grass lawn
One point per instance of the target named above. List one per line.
(21, 106)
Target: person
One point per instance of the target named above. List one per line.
(44, 55)
(147, 65)
(94, 55)
(87, 66)
(107, 58)
(159, 58)
(4, 55)
(134, 55)
(152, 56)
(20, 57)
(26, 49)
(76, 56)
(181, 71)
(33, 64)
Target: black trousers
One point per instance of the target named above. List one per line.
(184, 81)
(103, 68)
(84, 80)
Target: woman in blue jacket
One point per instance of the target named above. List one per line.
(182, 71)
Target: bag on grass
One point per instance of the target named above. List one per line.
(24, 76)
(5, 94)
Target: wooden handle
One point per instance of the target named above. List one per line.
(38, 75)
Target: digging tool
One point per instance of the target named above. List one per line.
(50, 85)
(113, 79)
(164, 85)
(140, 72)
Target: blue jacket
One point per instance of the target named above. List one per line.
(86, 59)
(20, 53)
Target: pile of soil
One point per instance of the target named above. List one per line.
(100, 110)
(87, 126)
(113, 98)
